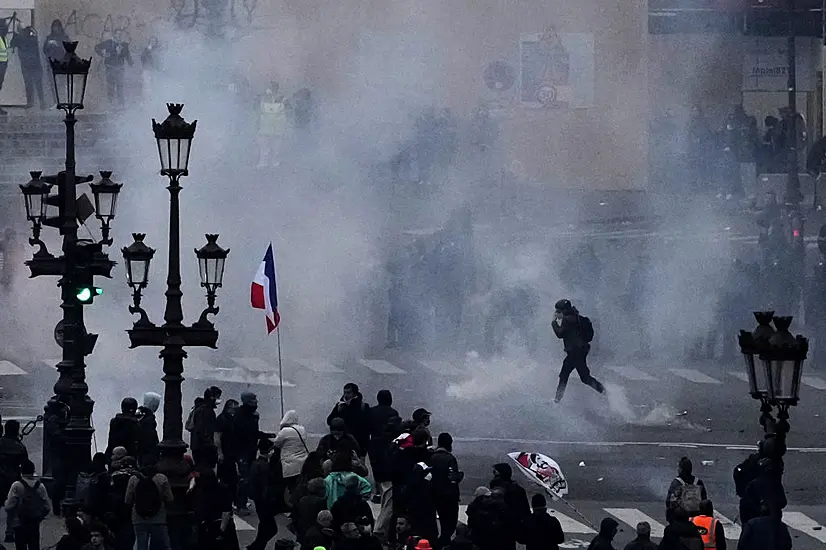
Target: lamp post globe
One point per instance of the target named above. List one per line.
(137, 257)
(70, 75)
(783, 361)
(35, 193)
(751, 346)
(106, 192)
(174, 138)
(211, 261)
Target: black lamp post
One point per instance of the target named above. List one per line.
(774, 364)
(174, 137)
(80, 262)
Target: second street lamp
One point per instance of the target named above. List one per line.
(174, 138)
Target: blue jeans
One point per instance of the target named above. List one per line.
(152, 536)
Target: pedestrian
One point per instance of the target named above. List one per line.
(604, 540)
(4, 55)
(148, 443)
(335, 481)
(124, 428)
(121, 470)
(766, 487)
(97, 538)
(28, 505)
(356, 415)
(214, 529)
(225, 426)
(321, 533)
(540, 530)
(576, 332)
(291, 441)
(76, 535)
(92, 488)
(13, 455)
(148, 494)
(382, 433)
(445, 481)
(247, 434)
(115, 54)
(766, 531)
(516, 499)
(680, 533)
(311, 469)
(267, 493)
(205, 441)
(686, 491)
(338, 441)
(28, 49)
(305, 512)
(488, 521)
(643, 540)
(421, 421)
(351, 505)
(711, 529)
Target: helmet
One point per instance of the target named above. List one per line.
(563, 305)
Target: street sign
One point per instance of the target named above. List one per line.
(58, 333)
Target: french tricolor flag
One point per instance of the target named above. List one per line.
(264, 294)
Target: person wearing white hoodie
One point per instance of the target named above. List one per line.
(292, 441)
(148, 442)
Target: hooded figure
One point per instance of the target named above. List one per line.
(685, 478)
(148, 444)
(541, 531)
(576, 333)
(680, 533)
(307, 509)
(607, 531)
(356, 415)
(292, 440)
(246, 425)
(516, 499)
(338, 440)
(124, 429)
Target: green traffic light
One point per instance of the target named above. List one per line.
(84, 294)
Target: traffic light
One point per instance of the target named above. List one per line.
(84, 288)
(87, 294)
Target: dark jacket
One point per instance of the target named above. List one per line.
(570, 332)
(356, 416)
(488, 522)
(306, 512)
(148, 444)
(765, 533)
(681, 535)
(446, 475)
(641, 543)
(381, 423)
(329, 445)
(247, 432)
(12, 456)
(28, 49)
(605, 538)
(225, 425)
(541, 531)
(53, 45)
(204, 425)
(516, 499)
(115, 54)
(124, 431)
(765, 487)
(349, 508)
(317, 536)
(675, 490)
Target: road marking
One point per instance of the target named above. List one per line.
(51, 362)
(254, 364)
(740, 376)
(7, 368)
(731, 529)
(445, 368)
(632, 517)
(380, 366)
(319, 365)
(632, 373)
(196, 364)
(241, 525)
(695, 376)
(570, 525)
(815, 382)
(376, 508)
(804, 524)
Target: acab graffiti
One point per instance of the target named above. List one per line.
(214, 13)
(96, 27)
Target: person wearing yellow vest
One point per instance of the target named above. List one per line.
(711, 530)
(4, 55)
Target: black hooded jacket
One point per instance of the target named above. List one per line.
(148, 444)
(605, 537)
(541, 531)
(246, 432)
(356, 416)
(516, 499)
(124, 431)
(681, 535)
(570, 332)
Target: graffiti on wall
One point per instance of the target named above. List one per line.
(219, 14)
(95, 26)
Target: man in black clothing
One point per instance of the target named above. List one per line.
(148, 445)
(338, 441)
(445, 482)
(381, 438)
(247, 434)
(115, 53)
(412, 493)
(680, 533)
(541, 530)
(570, 327)
(643, 540)
(228, 468)
(356, 415)
(124, 428)
(608, 528)
(28, 49)
(205, 440)
(516, 499)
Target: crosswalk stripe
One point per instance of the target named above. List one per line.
(695, 376)
(241, 525)
(379, 366)
(253, 364)
(320, 366)
(632, 517)
(731, 529)
(570, 525)
(442, 367)
(815, 382)
(51, 362)
(376, 508)
(7, 368)
(632, 373)
(740, 376)
(804, 524)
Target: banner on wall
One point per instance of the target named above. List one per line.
(766, 66)
(556, 70)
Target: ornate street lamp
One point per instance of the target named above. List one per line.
(174, 137)
(35, 194)
(70, 75)
(751, 344)
(783, 361)
(105, 192)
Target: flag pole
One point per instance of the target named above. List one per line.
(280, 371)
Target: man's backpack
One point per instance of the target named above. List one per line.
(31, 507)
(88, 484)
(147, 497)
(689, 497)
(586, 329)
(189, 425)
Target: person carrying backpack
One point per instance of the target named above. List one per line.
(148, 493)
(27, 506)
(686, 491)
(576, 332)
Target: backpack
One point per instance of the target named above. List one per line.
(147, 497)
(190, 420)
(586, 329)
(689, 497)
(31, 506)
(88, 485)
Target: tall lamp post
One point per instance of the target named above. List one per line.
(174, 138)
(774, 364)
(69, 447)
